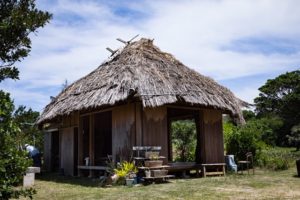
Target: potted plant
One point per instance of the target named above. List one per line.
(153, 161)
(110, 176)
(126, 172)
(130, 179)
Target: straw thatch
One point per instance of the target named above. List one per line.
(141, 71)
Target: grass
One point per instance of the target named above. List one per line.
(263, 185)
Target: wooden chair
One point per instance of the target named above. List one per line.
(248, 161)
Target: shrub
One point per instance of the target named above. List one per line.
(13, 161)
(252, 137)
(245, 139)
(277, 158)
(294, 137)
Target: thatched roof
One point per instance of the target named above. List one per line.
(141, 70)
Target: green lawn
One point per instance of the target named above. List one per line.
(263, 185)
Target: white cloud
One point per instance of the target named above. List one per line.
(195, 31)
(247, 94)
(74, 43)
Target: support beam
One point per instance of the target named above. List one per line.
(91, 142)
(80, 144)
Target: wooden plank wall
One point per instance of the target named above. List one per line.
(71, 120)
(66, 150)
(155, 131)
(123, 131)
(212, 146)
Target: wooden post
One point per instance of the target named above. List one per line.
(80, 144)
(91, 142)
(198, 156)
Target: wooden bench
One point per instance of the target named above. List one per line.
(184, 167)
(216, 166)
(91, 169)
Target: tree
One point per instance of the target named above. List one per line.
(29, 134)
(248, 115)
(281, 97)
(18, 18)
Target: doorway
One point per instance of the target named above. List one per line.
(55, 151)
(85, 136)
(183, 135)
(102, 137)
(183, 140)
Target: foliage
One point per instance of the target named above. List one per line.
(125, 170)
(13, 161)
(270, 125)
(277, 158)
(30, 134)
(281, 97)
(294, 138)
(111, 166)
(184, 140)
(18, 18)
(248, 115)
(245, 139)
(228, 129)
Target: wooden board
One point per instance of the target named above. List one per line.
(211, 139)
(123, 131)
(66, 150)
(70, 120)
(155, 129)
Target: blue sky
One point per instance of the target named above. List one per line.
(240, 44)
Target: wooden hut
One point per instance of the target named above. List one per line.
(130, 100)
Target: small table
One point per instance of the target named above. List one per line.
(205, 173)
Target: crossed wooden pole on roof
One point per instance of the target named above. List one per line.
(123, 41)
